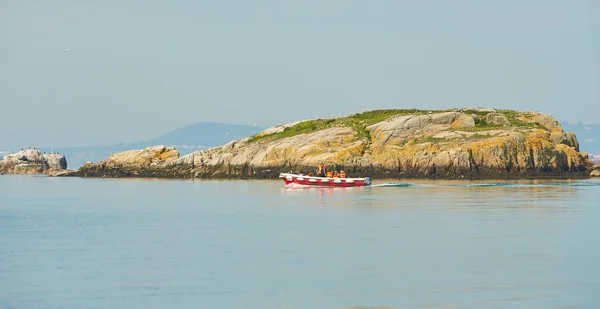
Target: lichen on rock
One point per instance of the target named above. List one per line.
(150, 156)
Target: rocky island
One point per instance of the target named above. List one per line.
(32, 161)
(458, 143)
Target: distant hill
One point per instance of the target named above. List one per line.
(588, 136)
(187, 139)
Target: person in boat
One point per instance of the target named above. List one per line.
(342, 174)
(329, 174)
(321, 170)
(336, 175)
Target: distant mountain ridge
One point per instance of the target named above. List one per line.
(588, 136)
(186, 139)
(207, 134)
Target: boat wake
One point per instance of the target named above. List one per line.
(490, 184)
(393, 185)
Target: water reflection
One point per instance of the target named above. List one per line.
(451, 195)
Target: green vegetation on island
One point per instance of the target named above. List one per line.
(361, 121)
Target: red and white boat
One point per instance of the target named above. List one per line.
(313, 181)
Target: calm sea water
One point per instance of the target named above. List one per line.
(98, 243)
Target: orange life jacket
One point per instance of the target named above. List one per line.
(329, 174)
(342, 175)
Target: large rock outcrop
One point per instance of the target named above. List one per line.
(147, 157)
(472, 143)
(136, 162)
(32, 161)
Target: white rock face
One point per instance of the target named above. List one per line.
(56, 161)
(548, 122)
(31, 161)
(408, 127)
(497, 119)
(29, 155)
(465, 134)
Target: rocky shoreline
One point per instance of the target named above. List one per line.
(246, 172)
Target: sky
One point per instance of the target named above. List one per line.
(97, 72)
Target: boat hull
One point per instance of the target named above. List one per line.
(312, 181)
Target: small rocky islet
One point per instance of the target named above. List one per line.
(32, 161)
(464, 143)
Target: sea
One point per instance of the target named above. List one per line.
(148, 243)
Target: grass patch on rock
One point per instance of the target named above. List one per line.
(516, 119)
(359, 122)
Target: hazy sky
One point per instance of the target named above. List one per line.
(137, 69)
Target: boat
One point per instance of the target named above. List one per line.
(291, 179)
